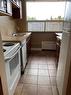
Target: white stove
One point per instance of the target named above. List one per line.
(9, 49)
(12, 65)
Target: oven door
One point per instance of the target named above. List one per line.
(13, 71)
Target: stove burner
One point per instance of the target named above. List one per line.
(8, 44)
(4, 50)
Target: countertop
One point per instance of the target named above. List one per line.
(18, 38)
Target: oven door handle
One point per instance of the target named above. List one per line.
(8, 58)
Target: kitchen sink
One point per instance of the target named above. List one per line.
(19, 34)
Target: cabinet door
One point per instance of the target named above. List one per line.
(28, 46)
(3, 6)
(9, 7)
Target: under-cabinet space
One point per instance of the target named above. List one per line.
(4, 14)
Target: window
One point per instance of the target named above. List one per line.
(39, 14)
(45, 10)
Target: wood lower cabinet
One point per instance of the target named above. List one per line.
(68, 90)
(28, 46)
(1, 91)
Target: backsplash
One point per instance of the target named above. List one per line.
(7, 25)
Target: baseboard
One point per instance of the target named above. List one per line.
(36, 49)
(40, 49)
(48, 49)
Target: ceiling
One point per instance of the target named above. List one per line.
(46, 0)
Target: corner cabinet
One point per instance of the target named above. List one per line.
(11, 8)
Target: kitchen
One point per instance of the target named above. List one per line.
(7, 27)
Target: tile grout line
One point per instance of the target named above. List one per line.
(22, 89)
(50, 82)
(37, 79)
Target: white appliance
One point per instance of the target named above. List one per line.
(65, 52)
(64, 63)
(12, 65)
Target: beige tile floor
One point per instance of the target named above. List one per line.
(40, 75)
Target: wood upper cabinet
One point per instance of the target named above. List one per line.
(15, 3)
(3, 7)
(16, 9)
(10, 8)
